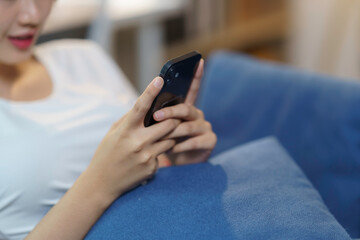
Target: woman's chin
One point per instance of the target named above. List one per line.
(15, 58)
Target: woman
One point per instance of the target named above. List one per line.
(60, 165)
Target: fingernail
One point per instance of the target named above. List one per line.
(158, 83)
(159, 115)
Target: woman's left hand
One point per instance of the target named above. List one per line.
(196, 140)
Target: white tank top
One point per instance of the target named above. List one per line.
(46, 144)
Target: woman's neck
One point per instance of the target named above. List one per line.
(25, 81)
(10, 73)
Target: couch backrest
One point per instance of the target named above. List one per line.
(315, 117)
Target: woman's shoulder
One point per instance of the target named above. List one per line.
(77, 58)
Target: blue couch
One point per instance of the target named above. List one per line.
(254, 191)
(315, 117)
(256, 187)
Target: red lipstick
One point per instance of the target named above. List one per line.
(23, 41)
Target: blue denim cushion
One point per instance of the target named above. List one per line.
(315, 117)
(254, 191)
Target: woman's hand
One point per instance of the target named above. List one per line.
(195, 138)
(127, 155)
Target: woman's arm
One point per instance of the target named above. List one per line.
(76, 212)
(125, 158)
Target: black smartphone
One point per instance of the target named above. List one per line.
(178, 74)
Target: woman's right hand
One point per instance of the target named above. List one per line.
(127, 154)
(124, 158)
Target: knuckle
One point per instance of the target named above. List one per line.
(186, 109)
(214, 138)
(208, 125)
(138, 145)
(137, 107)
(151, 168)
(201, 113)
(121, 139)
(146, 157)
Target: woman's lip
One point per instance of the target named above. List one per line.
(21, 43)
(23, 35)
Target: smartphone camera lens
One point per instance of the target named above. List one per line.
(177, 75)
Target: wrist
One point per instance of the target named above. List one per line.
(97, 188)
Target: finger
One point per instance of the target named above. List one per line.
(180, 111)
(150, 171)
(144, 102)
(191, 128)
(153, 168)
(159, 130)
(203, 142)
(149, 165)
(162, 146)
(163, 161)
(195, 85)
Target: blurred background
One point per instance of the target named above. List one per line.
(321, 36)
